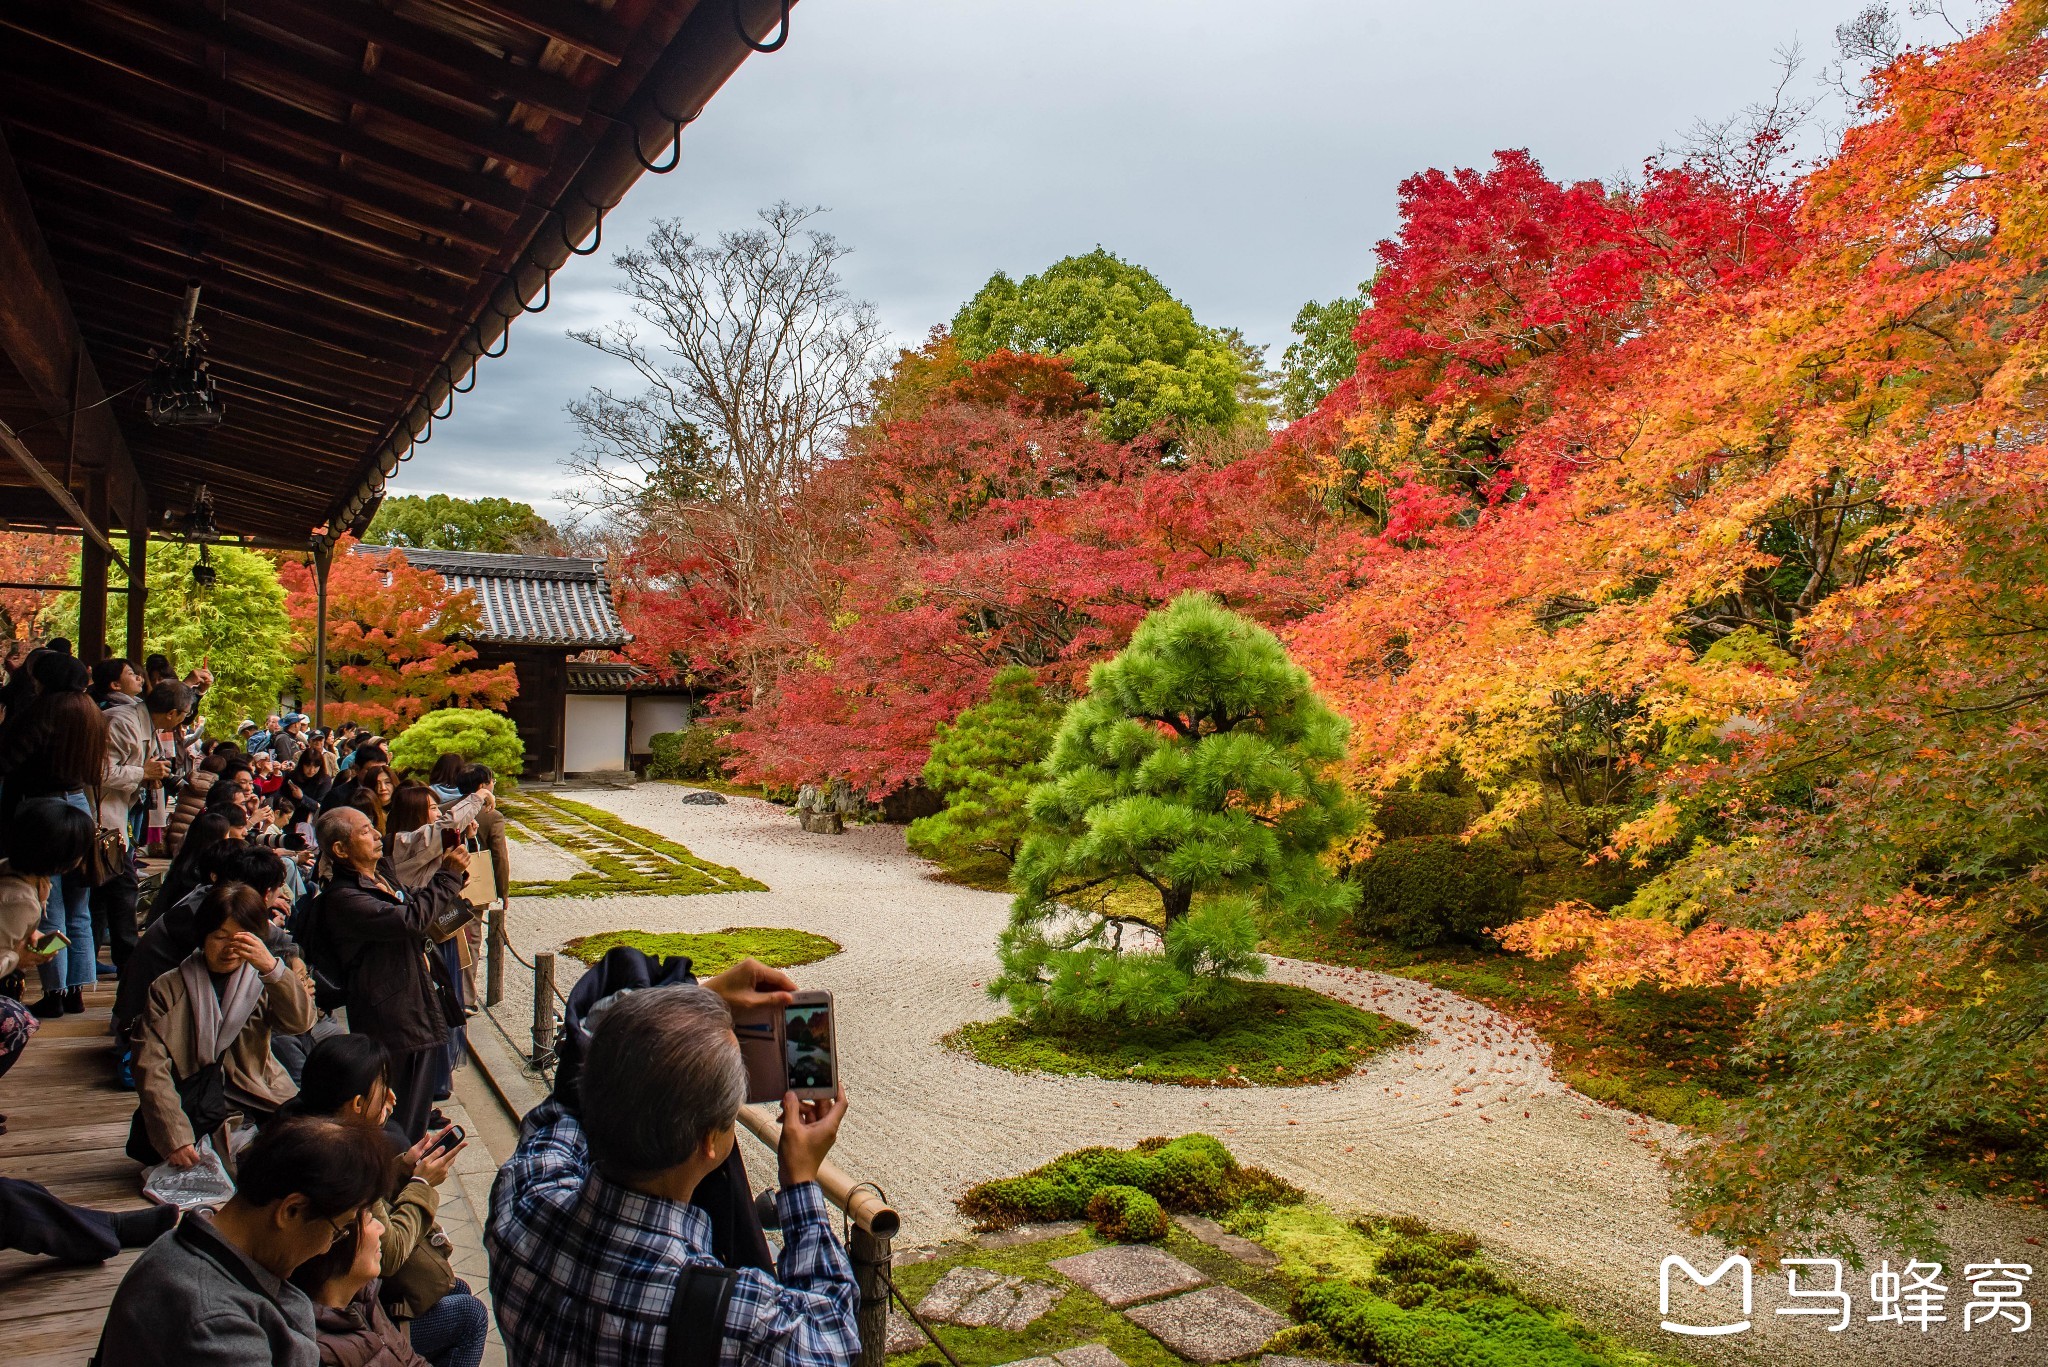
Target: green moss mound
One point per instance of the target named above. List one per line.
(1127, 1215)
(713, 952)
(1194, 1174)
(1272, 1036)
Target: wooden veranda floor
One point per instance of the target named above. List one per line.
(67, 1124)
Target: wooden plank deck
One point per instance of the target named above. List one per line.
(66, 1126)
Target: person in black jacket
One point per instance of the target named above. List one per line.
(379, 934)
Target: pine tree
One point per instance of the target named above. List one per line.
(984, 764)
(1198, 764)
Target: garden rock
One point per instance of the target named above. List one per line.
(1221, 1239)
(703, 798)
(1087, 1355)
(1277, 1360)
(1128, 1273)
(976, 1298)
(904, 1336)
(1214, 1324)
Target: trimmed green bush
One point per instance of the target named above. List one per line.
(697, 751)
(1495, 1333)
(1426, 890)
(1192, 1174)
(983, 764)
(1403, 816)
(1126, 1215)
(477, 735)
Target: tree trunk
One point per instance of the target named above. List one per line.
(1177, 900)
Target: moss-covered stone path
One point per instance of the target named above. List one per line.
(623, 858)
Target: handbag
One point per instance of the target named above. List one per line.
(107, 857)
(445, 993)
(204, 1099)
(482, 888)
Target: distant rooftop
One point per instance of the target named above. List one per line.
(529, 600)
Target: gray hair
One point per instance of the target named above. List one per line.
(330, 827)
(664, 1072)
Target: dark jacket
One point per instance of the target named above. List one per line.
(363, 1335)
(381, 940)
(192, 1297)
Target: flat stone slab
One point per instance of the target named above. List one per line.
(977, 1298)
(904, 1336)
(1029, 1234)
(1221, 1239)
(1215, 1324)
(1128, 1273)
(1278, 1360)
(1087, 1355)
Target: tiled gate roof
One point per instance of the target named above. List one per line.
(530, 600)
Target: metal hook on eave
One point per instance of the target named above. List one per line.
(748, 38)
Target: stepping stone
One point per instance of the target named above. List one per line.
(976, 1298)
(959, 1286)
(1277, 1360)
(1217, 1237)
(904, 1337)
(1029, 1234)
(1087, 1355)
(1128, 1273)
(1214, 1324)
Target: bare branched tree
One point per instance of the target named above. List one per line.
(756, 361)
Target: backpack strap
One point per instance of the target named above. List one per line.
(696, 1318)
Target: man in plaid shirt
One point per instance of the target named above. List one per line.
(591, 1223)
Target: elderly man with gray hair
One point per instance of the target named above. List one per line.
(597, 1256)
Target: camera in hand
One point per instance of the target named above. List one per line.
(790, 1048)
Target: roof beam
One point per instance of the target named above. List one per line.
(40, 335)
(135, 131)
(91, 52)
(572, 24)
(543, 90)
(177, 19)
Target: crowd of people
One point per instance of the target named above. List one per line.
(290, 1006)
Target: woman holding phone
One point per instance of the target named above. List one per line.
(347, 1077)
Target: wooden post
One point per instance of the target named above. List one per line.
(92, 575)
(138, 590)
(869, 1253)
(543, 1004)
(323, 559)
(494, 955)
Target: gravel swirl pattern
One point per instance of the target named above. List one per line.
(1467, 1127)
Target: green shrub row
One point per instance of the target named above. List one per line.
(697, 751)
(1429, 889)
(1193, 1174)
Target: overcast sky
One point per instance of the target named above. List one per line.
(1246, 151)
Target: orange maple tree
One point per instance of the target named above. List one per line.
(395, 641)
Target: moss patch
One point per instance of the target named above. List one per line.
(1663, 1054)
(1194, 1174)
(625, 858)
(1273, 1036)
(713, 952)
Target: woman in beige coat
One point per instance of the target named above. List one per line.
(220, 1005)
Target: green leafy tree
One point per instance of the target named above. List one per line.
(1134, 343)
(1322, 354)
(441, 522)
(1199, 766)
(238, 627)
(984, 763)
(477, 735)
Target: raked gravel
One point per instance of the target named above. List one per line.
(1467, 1127)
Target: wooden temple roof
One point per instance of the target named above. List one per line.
(366, 191)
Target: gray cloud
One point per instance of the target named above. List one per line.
(1247, 153)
